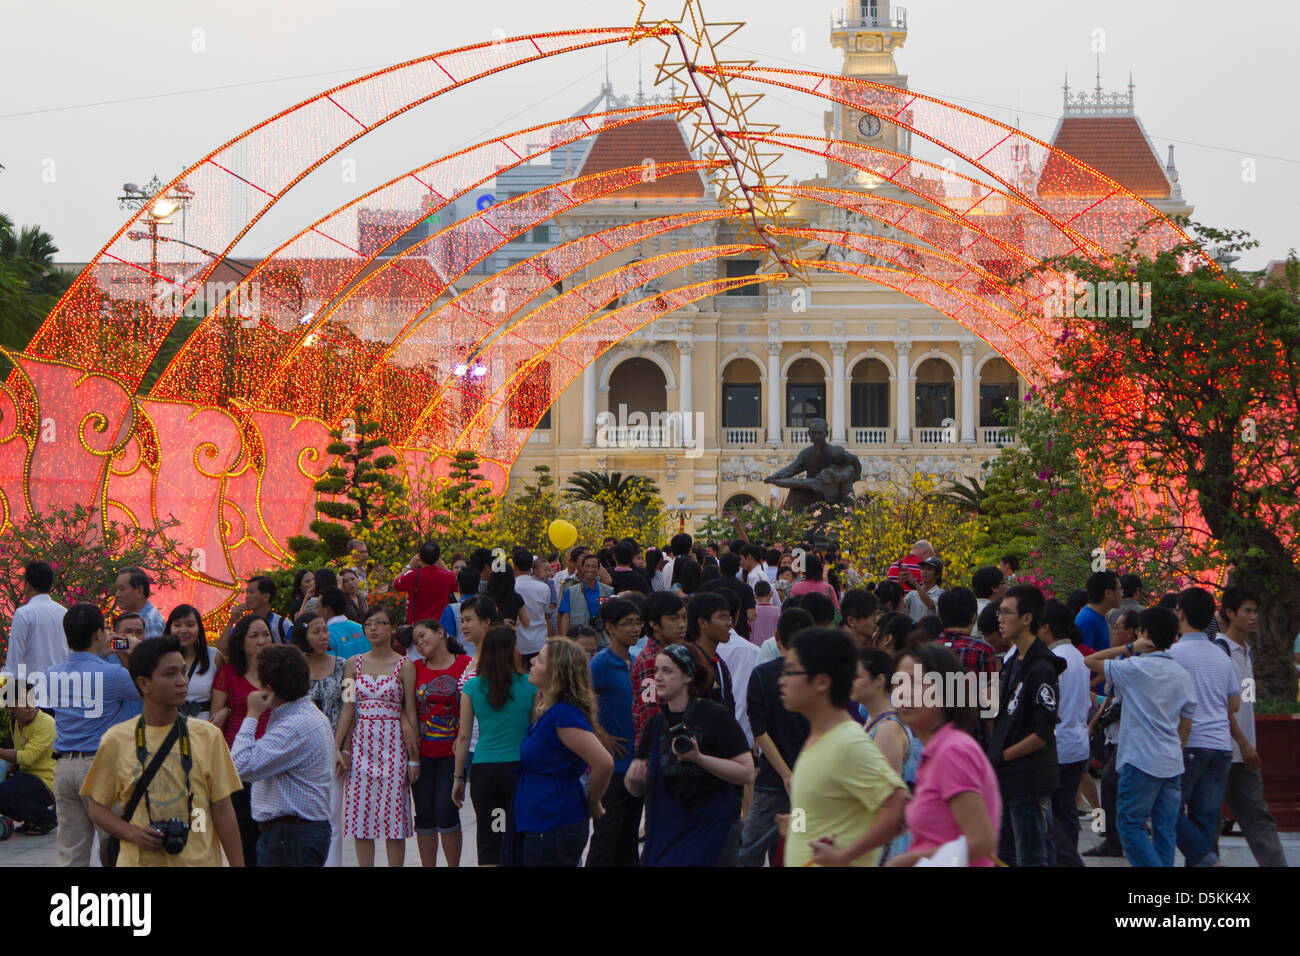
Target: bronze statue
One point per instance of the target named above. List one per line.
(830, 472)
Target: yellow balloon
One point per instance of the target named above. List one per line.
(562, 533)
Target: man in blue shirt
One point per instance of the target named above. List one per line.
(573, 612)
(614, 837)
(1158, 706)
(1103, 597)
(88, 695)
(132, 596)
(1207, 754)
(347, 638)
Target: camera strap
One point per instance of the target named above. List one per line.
(179, 732)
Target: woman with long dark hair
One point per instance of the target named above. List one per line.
(438, 679)
(813, 581)
(501, 588)
(304, 587)
(312, 637)
(234, 682)
(687, 577)
(376, 730)
(499, 698)
(202, 662)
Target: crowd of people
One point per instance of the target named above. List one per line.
(734, 704)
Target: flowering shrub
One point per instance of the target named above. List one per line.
(85, 553)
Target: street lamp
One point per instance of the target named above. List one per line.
(159, 207)
(683, 513)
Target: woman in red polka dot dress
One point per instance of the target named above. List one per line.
(377, 744)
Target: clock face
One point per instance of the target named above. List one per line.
(869, 126)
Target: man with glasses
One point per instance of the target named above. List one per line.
(614, 835)
(1023, 745)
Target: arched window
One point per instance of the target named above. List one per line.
(935, 397)
(869, 395)
(639, 384)
(805, 393)
(999, 389)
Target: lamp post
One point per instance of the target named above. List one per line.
(683, 513)
(159, 207)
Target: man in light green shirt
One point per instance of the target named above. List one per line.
(846, 802)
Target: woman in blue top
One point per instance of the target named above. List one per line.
(872, 689)
(551, 809)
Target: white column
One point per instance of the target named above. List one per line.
(774, 393)
(969, 410)
(588, 406)
(839, 418)
(684, 397)
(903, 400)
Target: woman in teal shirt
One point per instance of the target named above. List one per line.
(500, 698)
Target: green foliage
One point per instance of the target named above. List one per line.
(30, 284)
(879, 529)
(458, 511)
(1039, 505)
(1276, 705)
(968, 496)
(586, 485)
(361, 486)
(523, 519)
(85, 553)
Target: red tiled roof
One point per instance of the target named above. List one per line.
(1112, 145)
(659, 139)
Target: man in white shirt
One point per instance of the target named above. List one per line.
(529, 640)
(1245, 791)
(751, 563)
(1072, 749)
(36, 638)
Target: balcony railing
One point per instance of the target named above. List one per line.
(996, 436)
(634, 437)
(872, 436)
(867, 16)
(934, 436)
(795, 436)
(742, 436)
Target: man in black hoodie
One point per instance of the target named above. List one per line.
(1023, 745)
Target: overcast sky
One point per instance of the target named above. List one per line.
(80, 99)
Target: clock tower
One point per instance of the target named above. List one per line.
(868, 31)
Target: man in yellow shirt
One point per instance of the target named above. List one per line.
(187, 804)
(27, 793)
(846, 802)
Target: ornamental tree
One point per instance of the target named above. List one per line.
(1192, 415)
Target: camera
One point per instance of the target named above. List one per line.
(174, 833)
(120, 644)
(680, 737)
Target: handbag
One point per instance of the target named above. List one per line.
(110, 847)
